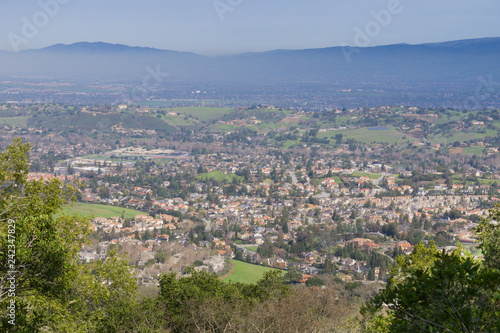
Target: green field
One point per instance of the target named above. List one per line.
(483, 181)
(222, 128)
(453, 116)
(472, 248)
(179, 120)
(264, 127)
(202, 113)
(104, 158)
(218, 175)
(288, 143)
(366, 174)
(337, 179)
(389, 136)
(464, 135)
(252, 248)
(246, 273)
(473, 151)
(96, 210)
(14, 121)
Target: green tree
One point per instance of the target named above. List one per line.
(54, 291)
(266, 249)
(315, 282)
(294, 274)
(488, 235)
(201, 302)
(328, 266)
(432, 291)
(371, 275)
(45, 246)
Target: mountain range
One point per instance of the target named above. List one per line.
(447, 66)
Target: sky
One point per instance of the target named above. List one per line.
(236, 26)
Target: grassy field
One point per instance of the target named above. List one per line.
(179, 120)
(453, 116)
(96, 210)
(218, 175)
(473, 150)
(288, 143)
(252, 248)
(345, 120)
(472, 248)
(461, 136)
(13, 121)
(246, 273)
(222, 128)
(105, 158)
(202, 113)
(161, 161)
(389, 136)
(483, 181)
(337, 179)
(366, 174)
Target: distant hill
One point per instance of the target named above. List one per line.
(448, 65)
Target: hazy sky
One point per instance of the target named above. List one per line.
(233, 26)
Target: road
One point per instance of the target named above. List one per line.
(294, 178)
(377, 181)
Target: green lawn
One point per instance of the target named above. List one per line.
(252, 248)
(473, 151)
(246, 273)
(483, 181)
(202, 113)
(104, 158)
(337, 179)
(14, 121)
(474, 250)
(264, 127)
(461, 136)
(179, 120)
(165, 160)
(389, 136)
(366, 174)
(96, 210)
(454, 116)
(222, 128)
(288, 143)
(218, 175)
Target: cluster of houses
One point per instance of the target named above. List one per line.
(347, 191)
(139, 223)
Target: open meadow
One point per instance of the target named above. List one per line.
(96, 210)
(246, 273)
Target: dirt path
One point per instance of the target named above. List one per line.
(231, 271)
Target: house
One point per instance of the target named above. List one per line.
(277, 262)
(305, 277)
(405, 247)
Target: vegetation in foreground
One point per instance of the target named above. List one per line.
(434, 291)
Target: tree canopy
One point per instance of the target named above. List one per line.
(40, 271)
(434, 291)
